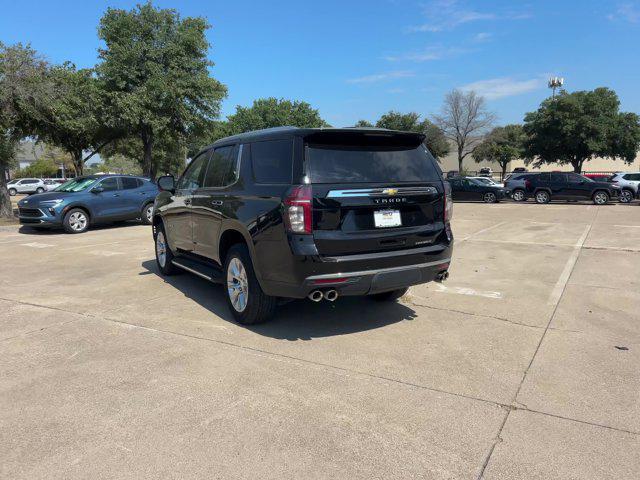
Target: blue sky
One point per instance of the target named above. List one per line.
(359, 59)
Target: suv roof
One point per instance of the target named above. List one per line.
(279, 132)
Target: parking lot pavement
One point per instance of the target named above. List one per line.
(523, 365)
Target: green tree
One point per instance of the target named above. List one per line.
(464, 120)
(118, 163)
(41, 168)
(24, 93)
(435, 140)
(363, 124)
(573, 128)
(74, 115)
(501, 146)
(271, 112)
(156, 75)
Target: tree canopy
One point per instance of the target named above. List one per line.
(156, 77)
(272, 112)
(435, 140)
(573, 128)
(502, 145)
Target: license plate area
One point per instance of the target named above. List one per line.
(387, 218)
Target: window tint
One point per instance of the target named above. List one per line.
(109, 184)
(222, 167)
(190, 180)
(272, 161)
(558, 178)
(631, 176)
(333, 163)
(575, 178)
(129, 183)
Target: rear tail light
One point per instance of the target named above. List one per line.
(297, 215)
(448, 203)
(527, 184)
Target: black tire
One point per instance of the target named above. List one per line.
(146, 216)
(13, 192)
(76, 220)
(490, 197)
(259, 307)
(626, 196)
(165, 264)
(600, 197)
(519, 195)
(391, 296)
(39, 190)
(542, 196)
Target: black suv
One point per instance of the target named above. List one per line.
(318, 213)
(569, 186)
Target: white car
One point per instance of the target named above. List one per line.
(26, 185)
(53, 183)
(629, 182)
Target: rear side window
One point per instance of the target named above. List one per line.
(370, 164)
(109, 184)
(272, 161)
(129, 183)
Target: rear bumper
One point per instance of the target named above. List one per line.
(364, 274)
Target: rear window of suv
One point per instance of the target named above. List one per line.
(370, 164)
(272, 161)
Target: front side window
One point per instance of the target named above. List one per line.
(191, 178)
(109, 184)
(272, 161)
(222, 167)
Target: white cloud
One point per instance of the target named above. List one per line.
(426, 55)
(382, 77)
(504, 87)
(449, 14)
(626, 11)
(482, 37)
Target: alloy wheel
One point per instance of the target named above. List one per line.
(518, 195)
(149, 213)
(237, 285)
(600, 198)
(542, 197)
(78, 221)
(626, 196)
(489, 197)
(161, 249)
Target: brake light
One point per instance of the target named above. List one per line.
(297, 215)
(448, 203)
(527, 184)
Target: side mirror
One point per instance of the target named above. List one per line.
(167, 183)
(97, 190)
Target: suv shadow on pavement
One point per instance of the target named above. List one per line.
(298, 319)
(29, 230)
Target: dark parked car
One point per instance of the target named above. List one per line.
(515, 183)
(83, 201)
(317, 213)
(545, 187)
(464, 188)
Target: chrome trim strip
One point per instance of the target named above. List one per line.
(195, 272)
(381, 192)
(379, 270)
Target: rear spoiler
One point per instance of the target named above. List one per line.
(372, 137)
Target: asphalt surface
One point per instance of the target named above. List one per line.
(525, 364)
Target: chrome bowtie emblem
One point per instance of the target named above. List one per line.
(390, 191)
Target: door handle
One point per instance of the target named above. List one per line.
(217, 202)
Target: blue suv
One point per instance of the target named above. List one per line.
(88, 200)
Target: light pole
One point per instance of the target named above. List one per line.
(555, 82)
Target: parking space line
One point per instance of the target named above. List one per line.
(519, 242)
(88, 246)
(483, 231)
(557, 291)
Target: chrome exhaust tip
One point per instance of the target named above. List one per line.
(331, 295)
(315, 296)
(442, 276)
